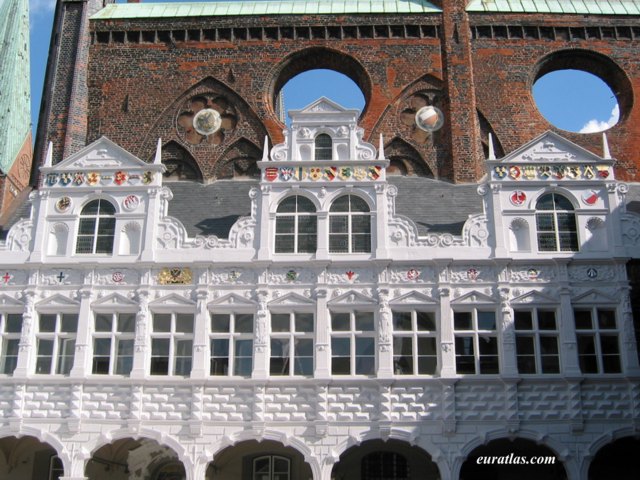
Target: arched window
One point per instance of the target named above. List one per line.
(170, 471)
(349, 225)
(296, 226)
(271, 467)
(384, 466)
(324, 144)
(556, 224)
(97, 227)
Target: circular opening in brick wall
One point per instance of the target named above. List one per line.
(581, 91)
(308, 86)
(307, 65)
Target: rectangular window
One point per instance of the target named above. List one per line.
(414, 343)
(537, 341)
(353, 340)
(476, 342)
(291, 344)
(597, 335)
(113, 339)
(172, 344)
(231, 344)
(56, 343)
(10, 329)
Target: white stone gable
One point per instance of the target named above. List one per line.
(114, 300)
(352, 298)
(413, 298)
(8, 302)
(534, 298)
(593, 297)
(323, 105)
(57, 302)
(473, 298)
(291, 299)
(172, 301)
(231, 300)
(551, 148)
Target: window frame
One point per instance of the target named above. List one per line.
(414, 334)
(59, 340)
(555, 230)
(8, 338)
(597, 333)
(326, 151)
(353, 335)
(476, 334)
(115, 337)
(98, 218)
(536, 333)
(376, 462)
(351, 235)
(174, 338)
(292, 336)
(260, 475)
(232, 337)
(296, 234)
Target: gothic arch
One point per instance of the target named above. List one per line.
(238, 160)
(405, 156)
(180, 163)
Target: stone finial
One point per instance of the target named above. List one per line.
(158, 158)
(605, 146)
(381, 149)
(265, 149)
(48, 159)
(492, 152)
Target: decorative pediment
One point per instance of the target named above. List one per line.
(57, 301)
(103, 154)
(413, 298)
(533, 298)
(291, 299)
(173, 300)
(474, 297)
(351, 299)
(323, 105)
(593, 297)
(232, 300)
(551, 148)
(7, 301)
(113, 301)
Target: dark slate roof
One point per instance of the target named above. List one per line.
(22, 211)
(210, 209)
(633, 198)
(434, 206)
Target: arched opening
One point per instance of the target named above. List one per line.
(390, 460)
(312, 73)
(27, 458)
(266, 460)
(619, 460)
(505, 459)
(591, 86)
(130, 459)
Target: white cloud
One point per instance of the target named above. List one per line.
(593, 126)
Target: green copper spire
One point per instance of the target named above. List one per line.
(15, 91)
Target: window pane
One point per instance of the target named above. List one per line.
(220, 347)
(607, 319)
(340, 347)
(544, 222)
(304, 322)
(102, 347)
(427, 346)
(184, 323)
(47, 323)
(103, 322)
(523, 320)
(524, 344)
(550, 364)
(526, 364)
(220, 323)
(243, 366)
(365, 365)
(160, 346)
(91, 208)
(427, 365)
(340, 322)
(288, 205)
(402, 321)
(486, 321)
(549, 345)
(127, 322)
(568, 242)
(338, 243)
(84, 244)
(285, 225)
(69, 323)
(219, 366)
(611, 364)
(546, 319)
(609, 344)
(307, 243)
(360, 243)
(340, 366)
(87, 226)
(104, 245)
(66, 351)
(426, 321)
(562, 203)
(162, 322)
(566, 222)
(545, 202)
(124, 362)
(358, 204)
(280, 322)
(583, 319)
(547, 242)
(307, 224)
(364, 321)
(244, 322)
(14, 323)
(183, 366)
(402, 365)
(303, 366)
(45, 347)
(341, 204)
(365, 346)
(285, 244)
(338, 224)
(184, 348)
(279, 347)
(403, 346)
(462, 321)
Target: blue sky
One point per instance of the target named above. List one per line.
(570, 100)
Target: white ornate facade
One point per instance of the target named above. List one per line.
(324, 327)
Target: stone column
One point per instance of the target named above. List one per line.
(261, 338)
(568, 340)
(445, 332)
(27, 345)
(323, 337)
(629, 353)
(82, 361)
(142, 341)
(266, 223)
(322, 250)
(506, 334)
(385, 338)
(200, 364)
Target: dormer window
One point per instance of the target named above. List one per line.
(556, 224)
(323, 147)
(97, 227)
